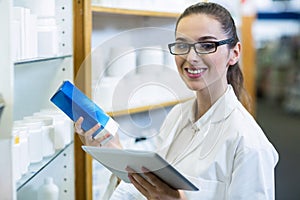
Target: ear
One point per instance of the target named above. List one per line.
(235, 54)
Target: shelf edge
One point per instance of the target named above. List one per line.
(123, 11)
(35, 60)
(146, 108)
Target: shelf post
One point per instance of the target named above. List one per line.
(82, 25)
(249, 53)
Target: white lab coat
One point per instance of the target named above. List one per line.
(229, 158)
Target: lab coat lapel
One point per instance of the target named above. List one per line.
(208, 132)
(195, 143)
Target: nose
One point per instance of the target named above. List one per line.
(192, 55)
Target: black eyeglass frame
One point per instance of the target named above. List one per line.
(217, 43)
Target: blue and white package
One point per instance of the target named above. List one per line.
(74, 103)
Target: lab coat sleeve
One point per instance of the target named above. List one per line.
(253, 174)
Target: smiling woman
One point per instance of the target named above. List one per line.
(211, 139)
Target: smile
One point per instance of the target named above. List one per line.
(195, 71)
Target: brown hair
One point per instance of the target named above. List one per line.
(234, 74)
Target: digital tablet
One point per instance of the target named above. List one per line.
(116, 160)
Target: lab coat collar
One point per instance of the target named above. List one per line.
(219, 111)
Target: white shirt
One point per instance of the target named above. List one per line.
(226, 154)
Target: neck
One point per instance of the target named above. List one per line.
(207, 97)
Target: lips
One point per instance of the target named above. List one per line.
(194, 72)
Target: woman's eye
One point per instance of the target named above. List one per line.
(206, 46)
(181, 46)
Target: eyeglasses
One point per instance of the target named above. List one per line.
(182, 48)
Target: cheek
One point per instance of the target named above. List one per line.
(179, 62)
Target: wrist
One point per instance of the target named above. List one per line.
(182, 195)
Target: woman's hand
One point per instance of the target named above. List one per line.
(87, 137)
(152, 187)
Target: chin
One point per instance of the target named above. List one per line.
(197, 87)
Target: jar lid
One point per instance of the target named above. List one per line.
(46, 21)
(47, 120)
(31, 124)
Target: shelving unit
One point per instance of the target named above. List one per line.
(87, 24)
(100, 28)
(26, 86)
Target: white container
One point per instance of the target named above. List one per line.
(103, 92)
(148, 57)
(47, 37)
(63, 127)
(169, 61)
(48, 191)
(122, 60)
(48, 133)
(42, 8)
(16, 42)
(35, 139)
(24, 149)
(16, 156)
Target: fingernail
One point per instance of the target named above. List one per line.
(130, 178)
(144, 169)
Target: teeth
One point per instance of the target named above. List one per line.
(195, 71)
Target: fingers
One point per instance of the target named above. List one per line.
(151, 186)
(139, 182)
(154, 180)
(80, 131)
(87, 137)
(77, 126)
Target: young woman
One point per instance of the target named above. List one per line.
(212, 139)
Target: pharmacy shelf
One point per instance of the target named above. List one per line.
(43, 59)
(35, 168)
(122, 11)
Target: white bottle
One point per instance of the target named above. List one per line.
(48, 191)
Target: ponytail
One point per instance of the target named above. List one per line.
(236, 79)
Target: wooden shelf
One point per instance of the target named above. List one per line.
(146, 107)
(121, 11)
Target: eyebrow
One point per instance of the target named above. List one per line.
(204, 38)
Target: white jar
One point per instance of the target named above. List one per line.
(24, 151)
(62, 126)
(48, 191)
(122, 60)
(47, 37)
(148, 57)
(48, 133)
(35, 138)
(103, 92)
(42, 8)
(16, 155)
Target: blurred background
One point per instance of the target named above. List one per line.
(276, 32)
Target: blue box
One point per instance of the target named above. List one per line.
(74, 103)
